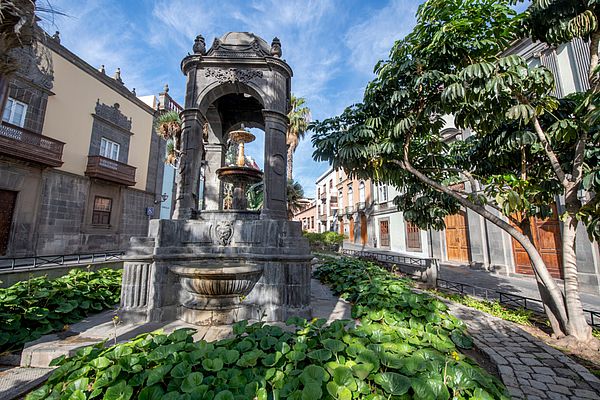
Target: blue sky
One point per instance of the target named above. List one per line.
(332, 45)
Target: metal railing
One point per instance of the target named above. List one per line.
(424, 269)
(510, 300)
(58, 260)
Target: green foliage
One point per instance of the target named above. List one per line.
(519, 315)
(325, 240)
(299, 117)
(38, 306)
(404, 347)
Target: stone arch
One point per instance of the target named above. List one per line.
(216, 90)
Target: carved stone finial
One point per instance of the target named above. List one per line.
(117, 76)
(276, 47)
(199, 45)
(56, 37)
(102, 69)
(166, 89)
(133, 92)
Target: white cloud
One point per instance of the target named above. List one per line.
(372, 39)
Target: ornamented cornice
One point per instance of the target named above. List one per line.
(232, 74)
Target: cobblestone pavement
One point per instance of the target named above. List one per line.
(529, 368)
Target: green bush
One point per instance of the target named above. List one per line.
(38, 306)
(324, 241)
(404, 347)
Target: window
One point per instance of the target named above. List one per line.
(102, 209)
(350, 196)
(109, 149)
(383, 193)
(361, 192)
(330, 184)
(341, 199)
(14, 112)
(413, 237)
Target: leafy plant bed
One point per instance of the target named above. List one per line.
(38, 306)
(404, 346)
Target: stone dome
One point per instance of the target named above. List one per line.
(244, 39)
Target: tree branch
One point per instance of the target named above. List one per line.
(560, 174)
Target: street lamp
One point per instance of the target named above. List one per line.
(163, 198)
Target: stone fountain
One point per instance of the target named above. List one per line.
(209, 265)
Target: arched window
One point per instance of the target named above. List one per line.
(361, 192)
(341, 199)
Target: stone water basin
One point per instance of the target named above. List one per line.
(215, 292)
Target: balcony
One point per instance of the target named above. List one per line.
(110, 170)
(21, 143)
(349, 210)
(323, 217)
(361, 206)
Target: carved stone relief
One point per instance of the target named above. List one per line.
(223, 232)
(232, 74)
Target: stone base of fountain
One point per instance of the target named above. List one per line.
(216, 292)
(197, 270)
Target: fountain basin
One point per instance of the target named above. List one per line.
(239, 175)
(215, 292)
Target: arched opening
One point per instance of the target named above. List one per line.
(230, 111)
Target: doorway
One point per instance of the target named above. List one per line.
(457, 237)
(363, 229)
(7, 206)
(384, 233)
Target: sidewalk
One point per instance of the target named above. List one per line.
(522, 285)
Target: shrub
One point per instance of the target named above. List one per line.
(324, 241)
(404, 347)
(33, 308)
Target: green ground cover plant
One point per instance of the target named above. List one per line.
(38, 306)
(324, 240)
(517, 315)
(404, 346)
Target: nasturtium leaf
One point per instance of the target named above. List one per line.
(181, 370)
(393, 383)
(224, 395)
(119, 391)
(107, 377)
(157, 374)
(461, 339)
(271, 359)
(334, 345)
(100, 363)
(312, 390)
(154, 392)
(181, 335)
(212, 365)
(192, 381)
(231, 356)
(321, 355)
(313, 373)
(362, 371)
(77, 395)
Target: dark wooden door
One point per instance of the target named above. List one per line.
(384, 233)
(546, 238)
(351, 228)
(457, 237)
(7, 206)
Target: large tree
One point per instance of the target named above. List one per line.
(451, 64)
(299, 117)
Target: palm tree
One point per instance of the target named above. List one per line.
(168, 126)
(299, 116)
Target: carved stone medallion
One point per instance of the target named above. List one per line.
(224, 232)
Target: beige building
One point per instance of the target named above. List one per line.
(307, 216)
(80, 165)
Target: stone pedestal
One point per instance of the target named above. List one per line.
(153, 291)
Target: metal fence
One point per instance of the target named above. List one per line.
(7, 264)
(509, 300)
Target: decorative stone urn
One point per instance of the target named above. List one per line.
(215, 293)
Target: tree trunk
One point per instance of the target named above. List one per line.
(577, 326)
(290, 162)
(554, 319)
(555, 300)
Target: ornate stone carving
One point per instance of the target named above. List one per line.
(113, 114)
(278, 164)
(35, 64)
(245, 50)
(276, 47)
(199, 45)
(232, 74)
(224, 232)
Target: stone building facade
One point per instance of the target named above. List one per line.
(80, 165)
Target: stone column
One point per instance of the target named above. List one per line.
(275, 178)
(187, 177)
(212, 184)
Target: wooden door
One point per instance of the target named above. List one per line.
(546, 238)
(457, 237)
(7, 206)
(384, 233)
(363, 229)
(351, 223)
(342, 227)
